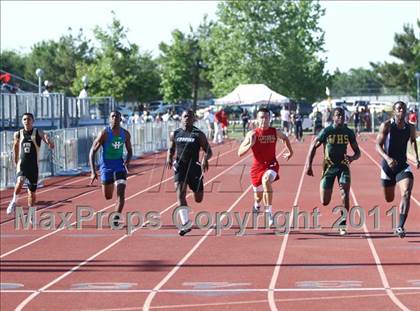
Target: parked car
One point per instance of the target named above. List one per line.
(125, 112)
(377, 106)
(153, 105)
(165, 108)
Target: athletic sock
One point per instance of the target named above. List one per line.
(183, 214)
(14, 199)
(269, 210)
(403, 218)
(256, 204)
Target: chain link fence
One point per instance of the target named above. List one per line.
(54, 111)
(72, 145)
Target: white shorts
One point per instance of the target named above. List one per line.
(271, 175)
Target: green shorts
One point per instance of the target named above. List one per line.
(341, 171)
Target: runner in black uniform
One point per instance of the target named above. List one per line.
(26, 144)
(391, 144)
(187, 141)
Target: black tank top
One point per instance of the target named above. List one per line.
(187, 145)
(29, 143)
(396, 142)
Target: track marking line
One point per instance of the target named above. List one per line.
(232, 290)
(274, 277)
(245, 302)
(149, 299)
(105, 208)
(56, 280)
(381, 271)
(43, 208)
(24, 196)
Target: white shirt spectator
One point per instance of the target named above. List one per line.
(165, 117)
(209, 117)
(83, 104)
(285, 115)
(136, 118)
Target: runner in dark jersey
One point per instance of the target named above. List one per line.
(356, 116)
(26, 144)
(187, 142)
(113, 168)
(391, 144)
(335, 139)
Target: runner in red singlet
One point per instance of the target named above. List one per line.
(265, 168)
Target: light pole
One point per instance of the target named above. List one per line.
(417, 76)
(85, 80)
(39, 73)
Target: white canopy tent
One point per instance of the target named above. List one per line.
(252, 94)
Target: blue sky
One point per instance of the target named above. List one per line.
(357, 32)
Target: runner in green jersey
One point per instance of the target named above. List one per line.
(335, 139)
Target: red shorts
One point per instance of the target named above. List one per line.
(258, 170)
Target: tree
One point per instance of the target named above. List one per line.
(270, 42)
(400, 76)
(119, 69)
(13, 62)
(59, 60)
(177, 62)
(357, 81)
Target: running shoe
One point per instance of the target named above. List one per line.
(11, 208)
(183, 232)
(400, 232)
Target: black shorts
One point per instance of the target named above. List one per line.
(31, 174)
(390, 177)
(189, 173)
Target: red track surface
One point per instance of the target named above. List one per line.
(311, 269)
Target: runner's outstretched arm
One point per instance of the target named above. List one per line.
(413, 140)
(312, 151)
(95, 147)
(207, 151)
(247, 143)
(283, 137)
(171, 151)
(129, 149)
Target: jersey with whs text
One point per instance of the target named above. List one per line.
(264, 149)
(113, 150)
(29, 143)
(187, 145)
(335, 140)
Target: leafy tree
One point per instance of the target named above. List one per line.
(13, 62)
(177, 61)
(400, 76)
(119, 69)
(183, 68)
(357, 81)
(59, 60)
(270, 42)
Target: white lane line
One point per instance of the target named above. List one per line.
(105, 208)
(56, 280)
(149, 299)
(273, 282)
(381, 271)
(248, 302)
(43, 208)
(230, 290)
(23, 196)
